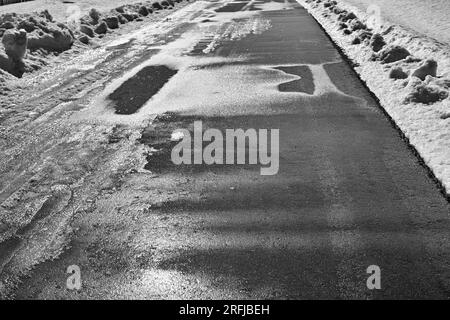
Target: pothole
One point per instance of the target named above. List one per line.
(305, 84)
(140, 88)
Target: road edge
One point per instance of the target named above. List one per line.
(442, 181)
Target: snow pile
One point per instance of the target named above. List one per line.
(391, 54)
(409, 73)
(428, 68)
(425, 91)
(29, 40)
(398, 73)
(15, 43)
(40, 29)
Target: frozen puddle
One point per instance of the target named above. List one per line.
(136, 91)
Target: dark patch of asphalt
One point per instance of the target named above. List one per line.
(137, 90)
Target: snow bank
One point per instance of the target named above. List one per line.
(29, 39)
(426, 17)
(410, 74)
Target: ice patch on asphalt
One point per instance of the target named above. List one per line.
(235, 87)
(228, 89)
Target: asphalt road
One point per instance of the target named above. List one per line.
(349, 192)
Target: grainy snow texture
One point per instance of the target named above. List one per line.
(419, 107)
(428, 17)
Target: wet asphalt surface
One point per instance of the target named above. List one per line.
(349, 192)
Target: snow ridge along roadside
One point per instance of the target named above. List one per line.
(408, 73)
(30, 40)
(54, 168)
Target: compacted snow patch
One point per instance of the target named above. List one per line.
(409, 73)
